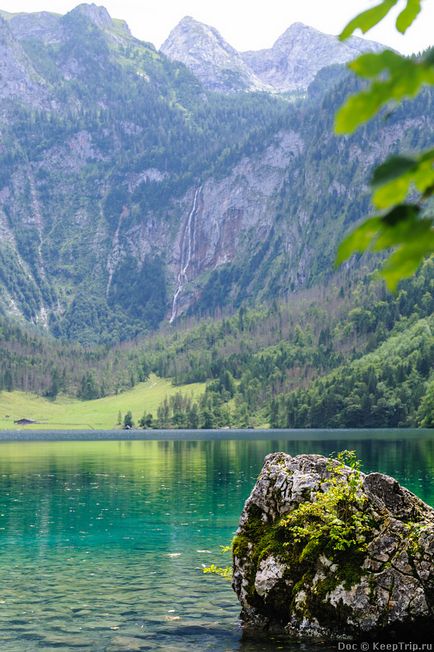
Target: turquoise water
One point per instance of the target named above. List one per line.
(102, 542)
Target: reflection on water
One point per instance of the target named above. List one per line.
(103, 542)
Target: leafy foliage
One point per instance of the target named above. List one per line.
(221, 571)
(334, 519)
(371, 17)
(35, 363)
(394, 77)
(332, 522)
(406, 227)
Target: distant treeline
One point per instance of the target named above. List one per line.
(352, 355)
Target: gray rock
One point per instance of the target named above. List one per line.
(289, 66)
(19, 79)
(99, 16)
(42, 26)
(211, 59)
(269, 573)
(299, 54)
(383, 586)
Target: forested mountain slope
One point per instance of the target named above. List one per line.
(347, 354)
(351, 355)
(130, 195)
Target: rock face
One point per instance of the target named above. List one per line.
(222, 200)
(228, 212)
(290, 65)
(42, 26)
(210, 58)
(298, 55)
(19, 79)
(380, 585)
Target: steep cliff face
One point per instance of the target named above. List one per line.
(229, 217)
(20, 82)
(214, 62)
(103, 144)
(299, 54)
(42, 26)
(130, 195)
(290, 65)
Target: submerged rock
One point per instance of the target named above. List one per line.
(324, 552)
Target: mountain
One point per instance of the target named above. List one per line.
(299, 54)
(348, 354)
(20, 81)
(290, 65)
(130, 133)
(130, 195)
(50, 27)
(210, 58)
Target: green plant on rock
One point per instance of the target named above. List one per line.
(414, 532)
(333, 522)
(221, 571)
(225, 572)
(334, 519)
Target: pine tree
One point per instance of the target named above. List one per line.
(128, 420)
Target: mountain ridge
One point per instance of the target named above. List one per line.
(205, 52)
(131, 196)
(289, 65)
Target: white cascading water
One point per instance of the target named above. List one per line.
(187, 248)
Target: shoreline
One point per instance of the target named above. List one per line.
(325, 434)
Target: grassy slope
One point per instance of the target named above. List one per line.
(69, 413)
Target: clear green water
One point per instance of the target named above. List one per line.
(102, 543)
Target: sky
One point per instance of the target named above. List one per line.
(246, 24)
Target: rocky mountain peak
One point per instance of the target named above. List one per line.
(296, 32)
(192, 34)
(299, 54)
(97, 14)
(188, 22)
(290, 65)
(214, 62)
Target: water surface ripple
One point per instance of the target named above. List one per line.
(102, 542)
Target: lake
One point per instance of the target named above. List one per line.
(103, 541)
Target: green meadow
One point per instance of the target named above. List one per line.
(99, 414)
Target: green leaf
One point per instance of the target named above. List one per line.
(406, 259)
(358, 240)
(408, 15)
(394, 167)
(401, 229)
(372, 64)
(391, 193)
(394, 78)
(401, 232)
(368, 19)
(393, 180)
(399, 213)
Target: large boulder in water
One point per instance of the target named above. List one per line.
(326, 552)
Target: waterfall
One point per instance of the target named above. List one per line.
(187, 246)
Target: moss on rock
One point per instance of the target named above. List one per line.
(321, 554)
